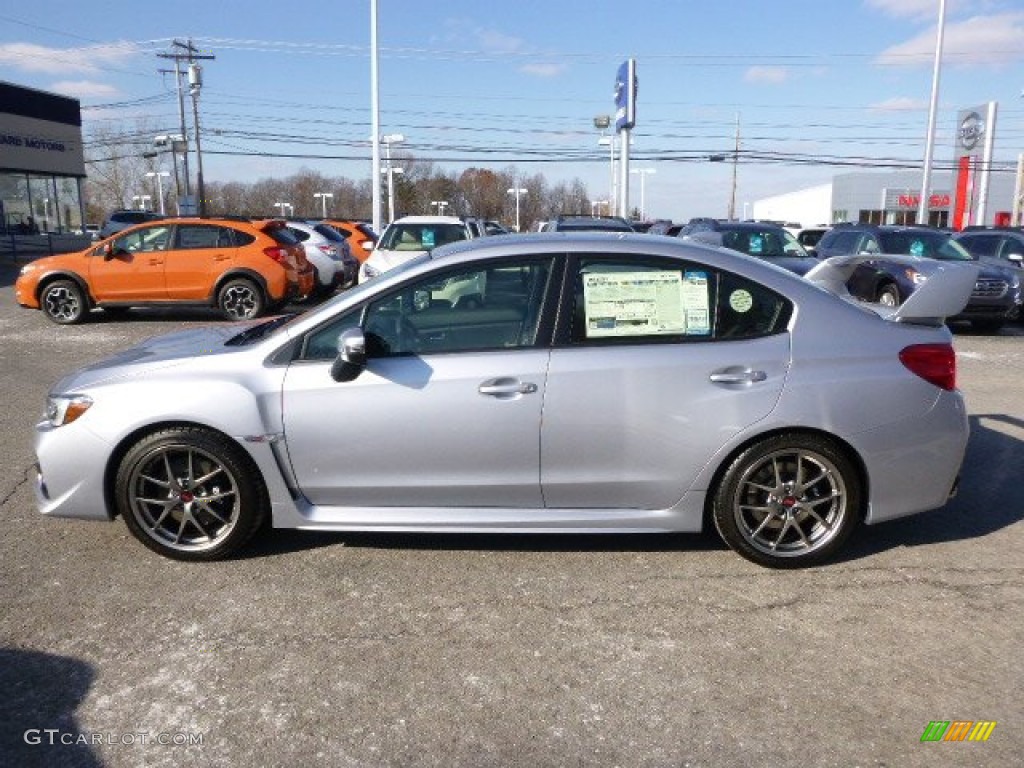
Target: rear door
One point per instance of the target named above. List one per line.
(657, 368)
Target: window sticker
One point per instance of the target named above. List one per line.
(756, 244)
(644, 303)
(696, 303)
(741, 301)
(428, 238)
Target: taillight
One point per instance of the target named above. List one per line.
(935, 363)
(278, 254)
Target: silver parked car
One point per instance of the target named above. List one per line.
(529, 383)
(329, 253)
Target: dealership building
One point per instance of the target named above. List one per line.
(882, 198)
(42, 168)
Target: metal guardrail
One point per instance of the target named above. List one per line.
(19, 248)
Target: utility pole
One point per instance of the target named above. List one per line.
(735, 161)
(188, 53)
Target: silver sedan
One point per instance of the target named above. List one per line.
(535, 383)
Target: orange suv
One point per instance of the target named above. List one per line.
(360, 236)
(242, 267)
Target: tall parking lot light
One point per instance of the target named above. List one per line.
(324, 196)
(388, 139)
(518, 192)
(643, 173)
(158, 175)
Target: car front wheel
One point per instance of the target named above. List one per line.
(888, 296)
(63, 302)
(190, 494)
(788, 501)
(241, 299)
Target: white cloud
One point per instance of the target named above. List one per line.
(917, 9)
(899, 104)
(766, 75)
(542, 70)
(29, 57)
(991, 41)
(84, 89)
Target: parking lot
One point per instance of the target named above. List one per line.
(359, 649)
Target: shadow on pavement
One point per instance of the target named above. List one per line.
(37, 722)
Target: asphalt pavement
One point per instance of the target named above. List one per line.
(396, 650)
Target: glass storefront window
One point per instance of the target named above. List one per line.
(39, 204)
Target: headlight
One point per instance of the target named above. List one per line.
(915, 277)
(29, 268)
(63, 409)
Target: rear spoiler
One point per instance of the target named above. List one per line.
(945, 293)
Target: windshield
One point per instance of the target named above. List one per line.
(421, 237)
(929, 245)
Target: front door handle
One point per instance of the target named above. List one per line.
(506, 387)
(738, 376)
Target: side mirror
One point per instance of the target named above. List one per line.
(351, 359)
(1016, 258)
(107, 249)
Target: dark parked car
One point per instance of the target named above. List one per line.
(119, 220)
(1002, 245)
(996, 295)
(765, 241)
(571, 223)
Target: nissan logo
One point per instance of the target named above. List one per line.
(972, 128)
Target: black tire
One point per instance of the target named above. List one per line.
(889, 295)
(789, 501)
(190, 494)
(241, 299)
(64, 302)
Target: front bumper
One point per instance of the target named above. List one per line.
(70, 472)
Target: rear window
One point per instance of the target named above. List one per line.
(329, 232)
(281, 235)
(421, 237)
(132, 217)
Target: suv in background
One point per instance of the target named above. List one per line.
(409, 236)
(994, 300)
(242, 267)
(999, 245)
(762, 240)
(334, 266)
(119, 220)
(358, 234)
(583, 223)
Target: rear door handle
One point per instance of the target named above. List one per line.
(738, 376)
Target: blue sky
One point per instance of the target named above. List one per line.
(517, 85)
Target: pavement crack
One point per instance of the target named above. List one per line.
(25, 479)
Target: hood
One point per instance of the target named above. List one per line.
(153, 354)
(385, 260)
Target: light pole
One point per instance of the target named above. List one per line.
(595, 207)
(388, 139)
(142, 201)
(282, 206)
(158, 175)
(601, 122)
(518, 192)
(441, 205)
(324, 196)
(195, 82)
(643, 173)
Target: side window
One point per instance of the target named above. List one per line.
(868, 245)
(843, 243)
(144, 240)
(497, 306)
(631, 302)
(980, 245)
(195, 236)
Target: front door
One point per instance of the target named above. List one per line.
(133, 270)
(448, 410)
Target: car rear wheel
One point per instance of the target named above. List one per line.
(788, 501)
(190, 494)
(888, 295)
(241, 299)
(63, 302)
